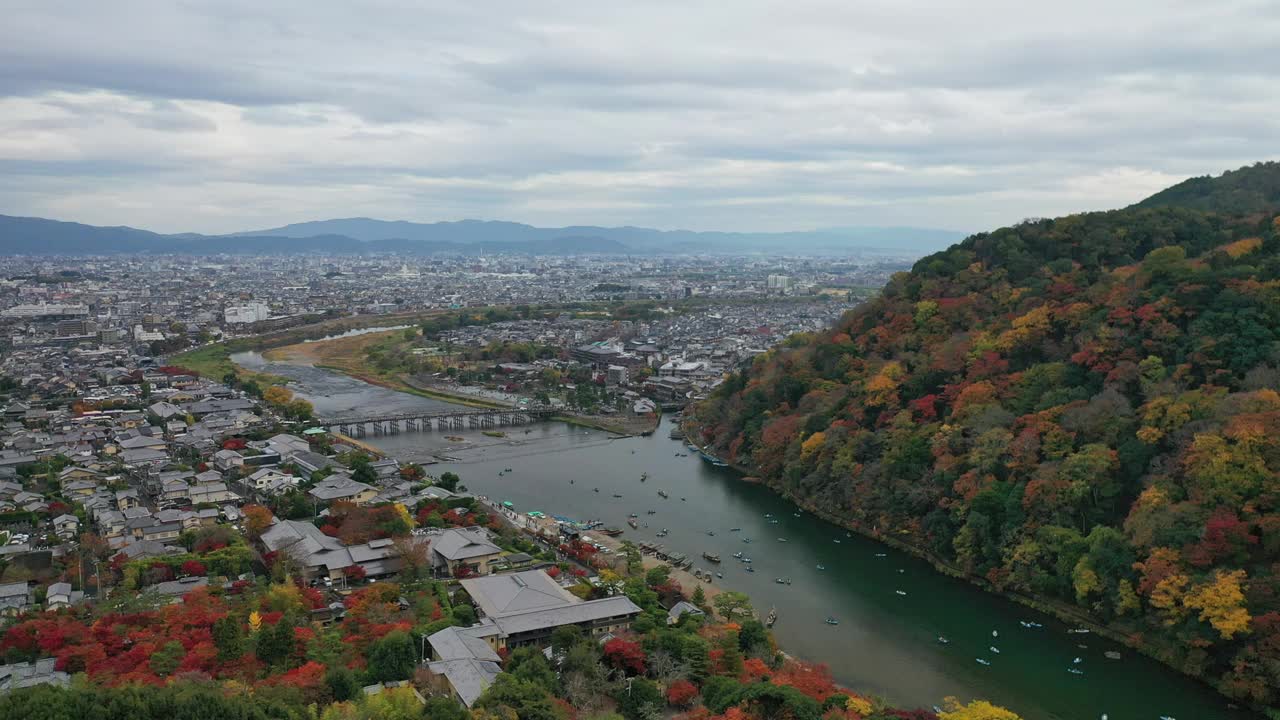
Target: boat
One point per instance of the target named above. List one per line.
(983, 662)
(651, 512)
(900, 592)
(710, 557)
(662, 494)
(1077, 661)
(782, 539)
(1075, 671)
(994, 649)
(1111, 655)
(510, 470)
(611, 532)
(746, 560)
(832, 621)
(943, 641)
(719, 574)
(746, 540)
(634, 525)
(750, 569)
(882, 554)
(836, 541)
(644, 476)
(617, 495)
(772, 617)
(822, 567)
(783, 581)
(1078, 631)
(768, 515)
(796, 514)
(737, 556)
(711, 533)
(735, 529)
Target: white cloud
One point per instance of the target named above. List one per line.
(736, 115)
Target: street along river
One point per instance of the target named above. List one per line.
(892, 608)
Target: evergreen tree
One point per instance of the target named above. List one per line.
(392, 658)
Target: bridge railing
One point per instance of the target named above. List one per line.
(540, 411)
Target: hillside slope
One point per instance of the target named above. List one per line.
(1084, 409)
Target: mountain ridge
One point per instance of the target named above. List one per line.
(1083, 410)
(41, 236)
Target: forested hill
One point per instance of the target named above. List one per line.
(1082, 408)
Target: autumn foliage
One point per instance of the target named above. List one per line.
(1083, 409)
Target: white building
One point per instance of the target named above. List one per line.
(244, 314)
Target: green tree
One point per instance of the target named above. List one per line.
(720, 692)
(342, 683)
(639, 699)
(732, 604)
(164, 661)
(529, 664)
(767, 700)
(565, 637)
(449, 481)
(392, 658)
(228, 637)
(526, 699)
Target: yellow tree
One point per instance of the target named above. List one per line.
(976, 710)
(1221, 603)
(277, 395)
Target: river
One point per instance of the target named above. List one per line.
(886, 642)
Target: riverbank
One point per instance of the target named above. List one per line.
(1048, 606)
(346, 356)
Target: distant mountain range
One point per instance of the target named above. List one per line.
(38, 236)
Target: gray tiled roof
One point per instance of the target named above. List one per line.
(616, 606)
(517, 592)
(468, 678)
(463, 544)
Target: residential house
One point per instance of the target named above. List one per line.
(16, 676)
(16, 597)
(60, 595)
(517, 609)
(341, 487)
(464, 551)
(66, 526)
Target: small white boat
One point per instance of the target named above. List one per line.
(1077, 661)
(983, 662)
(995, 633)
(942, 640)
(782, 539)
(900, 592)
(994, 649)
(822, 567)
(836, 541)
(1075, 671)
(882, 554)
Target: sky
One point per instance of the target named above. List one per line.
(742, 115)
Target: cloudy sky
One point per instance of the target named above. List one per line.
(736, 114)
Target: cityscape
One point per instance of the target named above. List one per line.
(639, 361)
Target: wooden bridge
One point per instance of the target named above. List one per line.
(475, 418)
